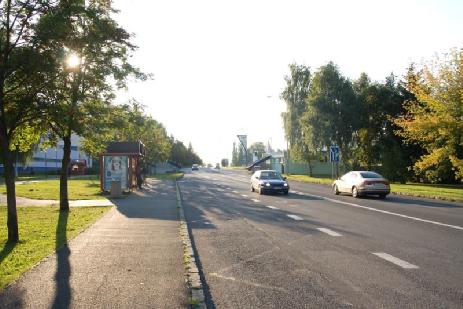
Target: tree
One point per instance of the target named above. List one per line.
(257, 148)
(376, 146)
(183, 155)
(295, 96)
(434, 119)
(234, 156)
(24, 64)
(94, 49)
(332, 112)
(224, 162)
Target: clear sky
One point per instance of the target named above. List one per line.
(219, 66)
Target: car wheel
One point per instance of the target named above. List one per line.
(382, 196)
(355, 192)
(335, 190)
(252, 188)
(285, 192)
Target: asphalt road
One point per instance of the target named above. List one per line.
(313, 249)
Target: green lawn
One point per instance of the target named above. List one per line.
(172, 176)
(444, 192)
(305, 178)
(79, 189)
(42, 231)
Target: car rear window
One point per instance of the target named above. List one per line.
(370, 175)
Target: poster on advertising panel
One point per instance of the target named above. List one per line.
(115, 169)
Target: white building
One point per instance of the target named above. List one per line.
(50, 160)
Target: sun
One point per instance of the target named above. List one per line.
(72, 61)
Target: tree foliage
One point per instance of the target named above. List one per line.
(183, 155)
(82, 32)
(295, 95)
(24, 67)
(331, 116)
(434, 119)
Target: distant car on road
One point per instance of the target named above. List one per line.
(269, 181)
(195, 167)
(360, 183)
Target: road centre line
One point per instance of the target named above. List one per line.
(272, 207)
(297, 218)
(235, 191)
(395, 260)
(255, 200)
(386, 212)
(244, 195)
(329, 232)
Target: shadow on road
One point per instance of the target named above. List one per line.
(63, 270)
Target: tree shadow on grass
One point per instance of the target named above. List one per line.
(6, 250)
(63, 270)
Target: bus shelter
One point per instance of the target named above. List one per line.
(120, 163)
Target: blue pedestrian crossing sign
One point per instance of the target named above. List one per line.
(334, 153)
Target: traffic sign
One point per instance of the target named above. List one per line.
(334, 153)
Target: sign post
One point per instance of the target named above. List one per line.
(334, 159)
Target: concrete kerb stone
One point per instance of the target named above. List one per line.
(192, 277)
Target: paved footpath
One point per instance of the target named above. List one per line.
(131, 258)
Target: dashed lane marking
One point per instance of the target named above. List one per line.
(329, 232)
(272, 207)
(395, 260)
(255, 200)
(235, 191)
(297, 218)
(244, 195)
(387, 212)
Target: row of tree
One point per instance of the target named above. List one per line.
(256, 150)
(410, 129)
(184, 156)
(61, 62)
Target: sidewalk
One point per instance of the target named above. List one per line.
(24, 201)
(131, 258)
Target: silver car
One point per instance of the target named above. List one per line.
(359, 183)
(268, 181)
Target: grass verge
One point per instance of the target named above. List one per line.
(172, 176)
(305, 178)
(42, 231)
(79, 189)
(443, 192)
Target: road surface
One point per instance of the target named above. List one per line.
(313, 249)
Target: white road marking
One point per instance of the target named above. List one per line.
(235, 191)
(329, 232)
(255, 200)
(244, 195)
(387, 212)
(292, 191)
(272, 207)
(297, 218)
(395, 260)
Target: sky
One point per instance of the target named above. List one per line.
(219, 66)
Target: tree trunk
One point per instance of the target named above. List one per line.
(12, 221)
(63, 183)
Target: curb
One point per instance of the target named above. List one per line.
(195, 288)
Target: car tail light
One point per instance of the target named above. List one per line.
(367, 183)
